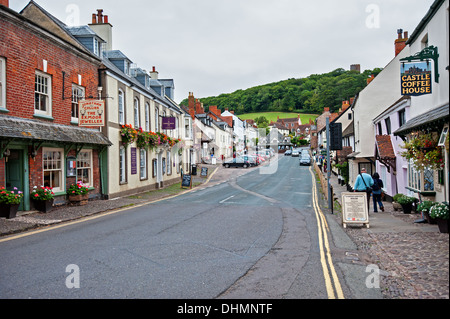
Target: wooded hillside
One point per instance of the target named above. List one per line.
(305, 95)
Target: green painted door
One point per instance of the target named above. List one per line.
(14, 172)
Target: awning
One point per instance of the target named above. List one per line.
(384, 152)
(433, 120)
(16, 128)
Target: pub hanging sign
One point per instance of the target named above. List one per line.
(416, 78)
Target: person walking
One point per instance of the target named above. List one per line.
(376, 191)
(364, 183)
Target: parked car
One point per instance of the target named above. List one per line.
(253, 160)
(295, 154)
(237, 162)
(288, 153)
(305, 160)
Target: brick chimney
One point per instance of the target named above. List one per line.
(4, 3)
(100, 25)
(191, 105)
(370, 79)
(400, 42)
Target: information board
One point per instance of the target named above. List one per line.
(354, 209)
(204, 172)
(187, 181)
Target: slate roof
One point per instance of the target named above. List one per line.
(34, 130)
(430, 119)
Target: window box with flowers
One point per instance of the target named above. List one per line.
(78, 194)
(9, 202)
(43, 198)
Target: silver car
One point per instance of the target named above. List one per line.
(305, 160)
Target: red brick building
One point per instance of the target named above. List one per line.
(44, 73)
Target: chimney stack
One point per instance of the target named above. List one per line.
(100, 25)
(4, 3)
(400, 42)
(154, 74)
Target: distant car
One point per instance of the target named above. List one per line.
(237, 162)
(305, 160)
(295, 154)
(288, 153)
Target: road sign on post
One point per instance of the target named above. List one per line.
(335, 136)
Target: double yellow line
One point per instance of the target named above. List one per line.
(325, 255)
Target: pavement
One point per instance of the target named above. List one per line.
(413, 257)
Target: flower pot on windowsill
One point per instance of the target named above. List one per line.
(44, 206)
(9, 211)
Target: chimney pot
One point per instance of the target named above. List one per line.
(94, 18)
(399, 32)
(405, 35)
(4, 3)
(105, 20)
(100, 15)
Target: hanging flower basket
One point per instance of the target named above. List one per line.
(424, 152)
(129, 134)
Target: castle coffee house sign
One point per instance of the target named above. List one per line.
(416, 78)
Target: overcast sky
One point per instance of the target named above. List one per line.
(210, 47)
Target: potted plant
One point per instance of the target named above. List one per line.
(78, 193)
(43, 198)
(407, 203)
(440, 212)
(9, 202)
(424, 208)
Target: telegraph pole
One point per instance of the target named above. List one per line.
(330, 193)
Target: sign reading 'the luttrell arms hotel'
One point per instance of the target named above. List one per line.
(91, 113)
(416, 78)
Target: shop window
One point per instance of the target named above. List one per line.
(53, 168)
(84, 168)
(422, 181)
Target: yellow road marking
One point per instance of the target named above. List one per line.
(322, 231)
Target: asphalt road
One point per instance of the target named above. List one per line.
(255, 236)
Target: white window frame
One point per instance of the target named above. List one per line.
(42, 91)
(2, 83)
(122, 165)
(76, 98)
(156, 119)
(85, 166)
(143, 164)
(121, 107)
(169, 163)
(147, 117)
(52, 163)
(137, 123)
